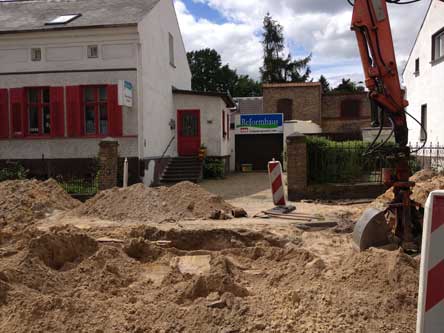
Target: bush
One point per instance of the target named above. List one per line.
(213, 168)
(344, 162)
(14, 171)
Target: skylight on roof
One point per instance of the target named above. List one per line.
(63, 19)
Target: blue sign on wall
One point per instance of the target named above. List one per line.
(267, 123)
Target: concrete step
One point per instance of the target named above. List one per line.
(181, 169)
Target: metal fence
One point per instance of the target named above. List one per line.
(431, 156)
(79, 186)
(344, 163)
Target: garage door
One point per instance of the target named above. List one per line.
(258, 150)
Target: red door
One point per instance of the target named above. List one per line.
(188, 129)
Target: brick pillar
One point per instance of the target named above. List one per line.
(296, 166)
(108, 160)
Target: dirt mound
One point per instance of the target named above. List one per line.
(193, 280)
(23, 201)
(182, 201)
(426, 182)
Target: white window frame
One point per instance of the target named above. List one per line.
(91, 55)
(36, 54)
(438, 46)
(63, 19)
(171, 50)
(424, 115)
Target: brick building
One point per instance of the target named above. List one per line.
(297, 101)
(344, 115)
(341, 115)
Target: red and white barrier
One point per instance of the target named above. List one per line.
(277, 183)
(431, 287)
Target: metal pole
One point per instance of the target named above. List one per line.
(125, 173)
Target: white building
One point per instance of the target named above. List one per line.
(61, 63)
(424, 77)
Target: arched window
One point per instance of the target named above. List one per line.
(285, 106)
(351, 109)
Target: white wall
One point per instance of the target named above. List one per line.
(211, 109)
(427, 87)
(158, 77)
(61, 148)
(67, 50)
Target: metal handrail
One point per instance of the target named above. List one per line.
(168, 147)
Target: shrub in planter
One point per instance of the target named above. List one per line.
(213, 168)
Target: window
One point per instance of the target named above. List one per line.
(39, 114)
(417, 67)
(63, 19)
(171, 47)
(224, 128)
(438, 45)
(228, 126)
(95, 107)
(36, 54)
(285, 106)
(423, 135)
(93, 51)
(351, 109)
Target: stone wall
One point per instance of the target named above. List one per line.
(306, 99)
(334, 121)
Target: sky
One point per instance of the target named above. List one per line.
(319, 27)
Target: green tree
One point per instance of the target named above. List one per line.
(205, 68)
(347, 85)
(278, 68)
(208, 74)
(324, 84)
(247, 87)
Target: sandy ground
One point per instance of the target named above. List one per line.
(84, 274)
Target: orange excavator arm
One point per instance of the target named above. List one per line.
(373, 31)
(371, 24)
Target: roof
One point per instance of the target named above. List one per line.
(250, 105)
(226, 97)
(31, 15)
(291, 85)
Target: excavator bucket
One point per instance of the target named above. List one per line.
(371, 230)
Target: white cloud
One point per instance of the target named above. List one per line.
(318, 26)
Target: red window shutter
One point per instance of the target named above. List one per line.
(57, 112)
(19, 119)
(228, 126)
(74, 111)
(4, 114)
(115, 118)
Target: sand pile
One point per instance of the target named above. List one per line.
(182, 201)
(426, 182)
(220, 281)
(24, 201)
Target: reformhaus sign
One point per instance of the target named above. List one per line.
(272, 123)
